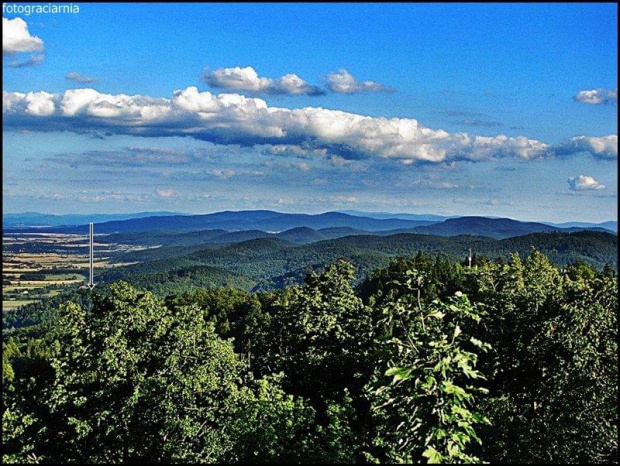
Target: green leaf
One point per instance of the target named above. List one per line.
(398, 373)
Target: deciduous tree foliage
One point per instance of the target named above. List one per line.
(425, 361)
(426, 409)
(553, 371)
(134, 380)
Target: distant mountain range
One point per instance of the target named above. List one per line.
(37, 219)
(430, 217)
(236, 226)
(611, 225)
(264, 220)
(498, 228)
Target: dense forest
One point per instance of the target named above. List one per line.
(422, 361)
(264, 264)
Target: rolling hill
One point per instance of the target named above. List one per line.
(267, 221)
(498, 228)
(266, 263)
(235, 226)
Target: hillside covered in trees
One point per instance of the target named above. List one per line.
(267, 263)
(422, 360)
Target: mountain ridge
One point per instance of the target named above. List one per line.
(314, 227)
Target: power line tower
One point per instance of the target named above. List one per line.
(91, 282)
(469, 258)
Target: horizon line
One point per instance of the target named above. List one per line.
(171, 213)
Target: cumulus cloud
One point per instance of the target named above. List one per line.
(584, 183)
(605, 147)
(17, 39)
(597, 96)
(80, 78)
(236, 119)
(247, 79)
(35, 60)
(343, 82)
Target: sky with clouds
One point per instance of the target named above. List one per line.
(454, 109)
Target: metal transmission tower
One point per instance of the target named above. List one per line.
(469, 258)
(91, 283)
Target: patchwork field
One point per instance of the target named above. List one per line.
(40, 265)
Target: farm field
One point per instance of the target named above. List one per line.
(40, 265)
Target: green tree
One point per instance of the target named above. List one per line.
(554, 365)
(135, 380)
(425, 404)
(320, 334)
(320, 337)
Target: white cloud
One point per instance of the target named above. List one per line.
(40, 104)
(165, 193)
(597, 96)
(584, 183)
(80, 78)
(236, 119)
(247, 79)
(605, 147)
(343, 82)
(17, 39)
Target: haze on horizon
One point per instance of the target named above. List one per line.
(403, 108)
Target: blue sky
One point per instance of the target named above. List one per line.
(457, 109)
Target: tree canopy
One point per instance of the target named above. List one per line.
(422, 361)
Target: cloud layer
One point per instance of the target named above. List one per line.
(236, 119)
(597, 96)
(17, 39)
(34, 60)
(247, 79)
(343, 82)
(584, 183)
(80, 78)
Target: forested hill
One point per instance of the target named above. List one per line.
(266, 263)
(482, 226)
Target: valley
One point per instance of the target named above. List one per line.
(176, 256)
(36, 266)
